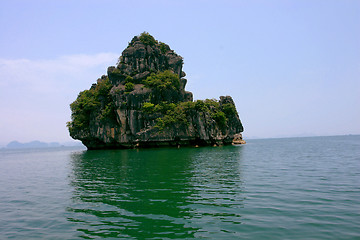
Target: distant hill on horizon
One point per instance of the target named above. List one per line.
(39, 144)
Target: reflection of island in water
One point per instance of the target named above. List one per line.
(164, 193)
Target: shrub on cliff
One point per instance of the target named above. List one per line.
(129, 86)
(148, 107)
(90, 101)
(220, 118)
(162, 81)
(200, 106)
(164, 47)
(164, 85)
(179, 113)
(129, 79)
(164, 107)
(81, 109)
(172, 114)
(103, 87)
(212, 103)
(229, 109)
(147, 39)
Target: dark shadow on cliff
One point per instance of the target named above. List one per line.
(148, 193)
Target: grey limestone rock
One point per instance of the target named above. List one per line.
(129, 125)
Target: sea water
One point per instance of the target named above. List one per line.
(295, 188)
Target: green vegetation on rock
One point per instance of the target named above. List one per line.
(129, 79)
(164, 85)
(129, 86)
(147, 39)
(179, 113)
(229, 109)
(148, 107)
(220, 118)
(163, 47)
(81, 108)
(89, 102)
(161, 81)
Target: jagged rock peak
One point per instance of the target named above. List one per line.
(143, 56)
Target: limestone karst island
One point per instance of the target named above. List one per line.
(142, 102)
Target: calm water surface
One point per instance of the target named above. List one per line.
(296, 188)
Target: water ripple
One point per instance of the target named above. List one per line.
(304, 188)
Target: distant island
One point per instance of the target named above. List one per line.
(142, 102)
(39, 144)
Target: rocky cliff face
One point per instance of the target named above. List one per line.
(142, 102)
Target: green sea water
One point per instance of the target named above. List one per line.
(295, 188)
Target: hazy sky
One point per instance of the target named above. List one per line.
(292, 67)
